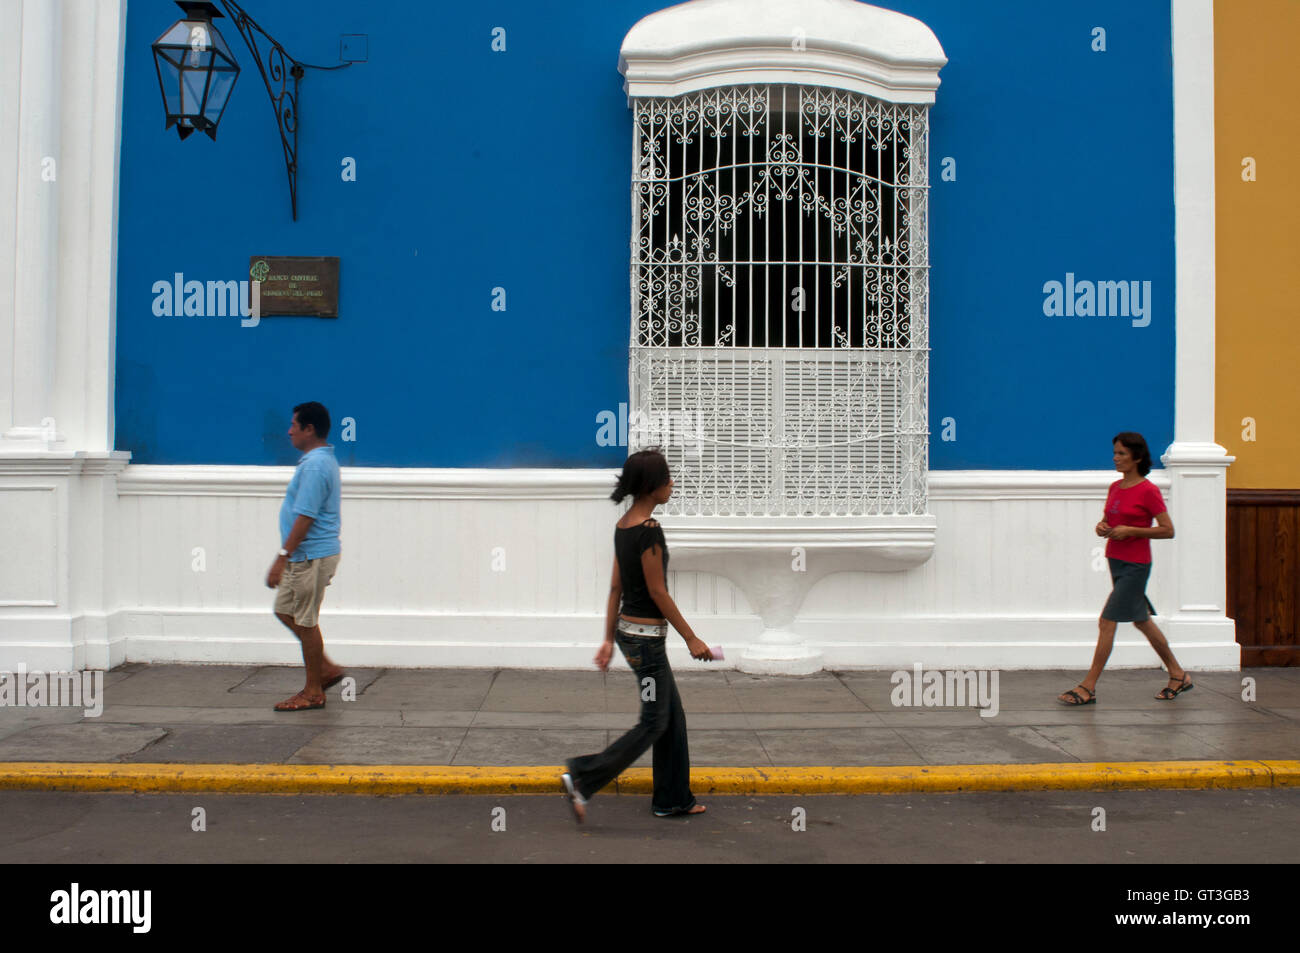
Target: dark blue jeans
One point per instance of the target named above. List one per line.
(662, 724)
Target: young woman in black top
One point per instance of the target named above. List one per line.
(636, 617)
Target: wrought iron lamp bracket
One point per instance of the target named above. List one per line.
(277, 68)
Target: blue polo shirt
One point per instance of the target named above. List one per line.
(314, 492)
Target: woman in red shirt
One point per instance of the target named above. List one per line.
(1131, 503)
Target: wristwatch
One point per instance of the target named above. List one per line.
(283, 551)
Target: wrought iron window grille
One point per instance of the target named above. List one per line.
(779, 283)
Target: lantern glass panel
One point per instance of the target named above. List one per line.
(178, 34)
(223, 81)
(220, 45)
(169, 75)
(194, 84)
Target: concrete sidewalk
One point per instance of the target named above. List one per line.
(483, 718)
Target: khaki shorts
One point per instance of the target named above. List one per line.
(302, 589)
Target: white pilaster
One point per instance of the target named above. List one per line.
(1197, 465)
(61, 64)
(35, 275)
(87, 306)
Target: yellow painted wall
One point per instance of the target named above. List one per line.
(1257, 225)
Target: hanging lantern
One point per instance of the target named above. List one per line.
(196, 70)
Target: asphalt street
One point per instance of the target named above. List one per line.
(1166, 827)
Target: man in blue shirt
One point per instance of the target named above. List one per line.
(309, 556)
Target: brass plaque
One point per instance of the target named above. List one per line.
(296, 285)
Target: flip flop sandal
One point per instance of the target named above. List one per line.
(1078, 699)
(686, 813)
(309, 706)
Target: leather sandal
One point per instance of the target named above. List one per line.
(1169, 694)
(1078, 699)
(300, 702)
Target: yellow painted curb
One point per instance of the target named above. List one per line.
(277, 778)
(450, 779)
(936, 779)
(1285, 773)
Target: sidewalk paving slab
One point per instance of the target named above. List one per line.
(729, 748)
(524, 690)
(1256, 742)
(257, 744)
(813, 746)
(444, 689)
(15, 720)
(993, 745)
(82, 741)
(527, 746)
(283, 682)
(1122, 743)
(380, 746)
(822, 692)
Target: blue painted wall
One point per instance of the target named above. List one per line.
(478, 169)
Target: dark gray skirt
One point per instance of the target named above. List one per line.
(1128, 601)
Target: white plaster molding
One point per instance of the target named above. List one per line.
(776, 561)
(838, 43)
(1027, 484)
(583, 484)
(1198, 509)
(404, 483)
(23, 462)
(29, 572)
(866, 543)
(1196, 454)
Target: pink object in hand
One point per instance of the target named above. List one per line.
(716, 652)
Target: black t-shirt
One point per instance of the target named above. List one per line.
(629, 544)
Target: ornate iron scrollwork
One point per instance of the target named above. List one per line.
(277, 68)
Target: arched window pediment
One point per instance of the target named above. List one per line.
(838, 43)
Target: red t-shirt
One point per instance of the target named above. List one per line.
(1136, 506)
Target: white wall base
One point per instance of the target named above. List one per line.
(510, 568)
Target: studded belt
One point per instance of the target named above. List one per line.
(637, 628)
